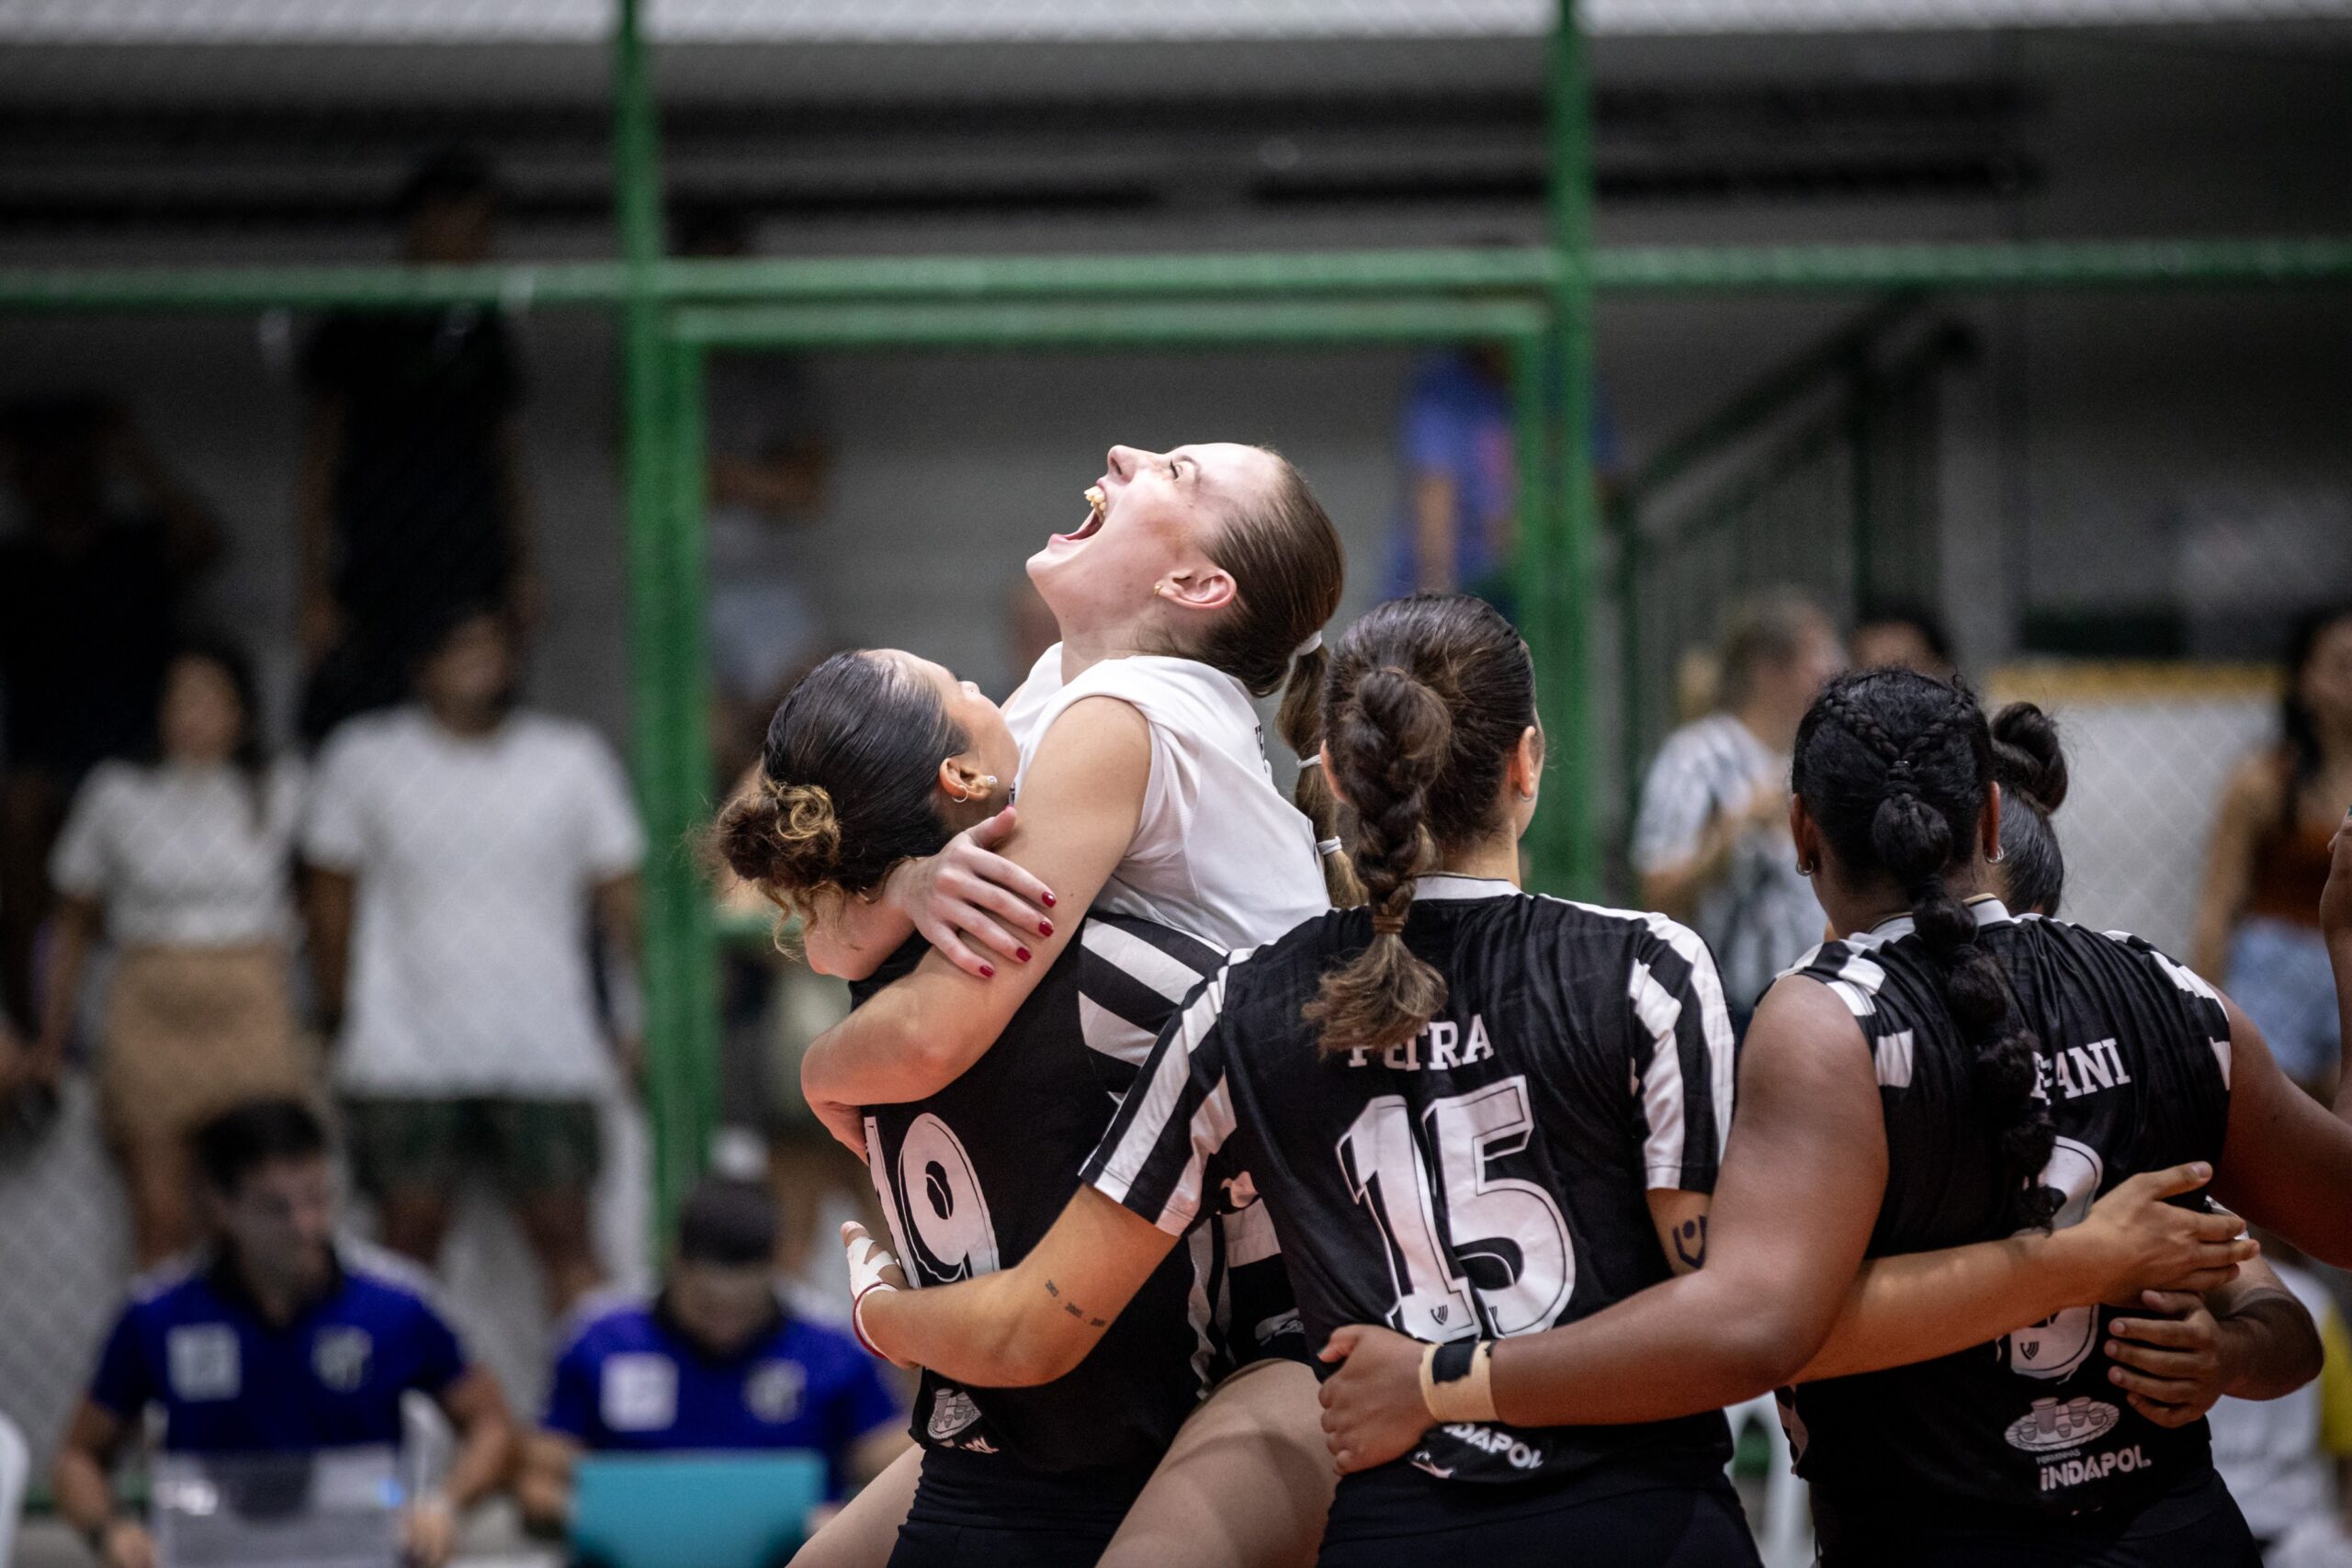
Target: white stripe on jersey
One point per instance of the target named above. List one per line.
(1662, 1080)
(1139, 959)
(1250, 1237)
(1891, 1054)
(1715, 1013)
(1212, 1125)
(1162, 1092)
(1108, 1035)
(2187, 980)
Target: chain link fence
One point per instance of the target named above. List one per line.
(2115, 500)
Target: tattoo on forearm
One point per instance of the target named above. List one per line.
(1072, 1308)
(1690, 1241)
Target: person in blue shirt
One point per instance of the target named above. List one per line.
(714, 1363)
(1461, 478)
(278, 1338)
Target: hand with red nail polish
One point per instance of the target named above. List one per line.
(967, 900)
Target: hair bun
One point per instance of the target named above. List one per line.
(785, 837)
(2027, 756)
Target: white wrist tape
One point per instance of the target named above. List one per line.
(869, 1263)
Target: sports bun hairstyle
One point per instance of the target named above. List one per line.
(1288, 570)
(1895, 766)
(845, 789)
(1424, 702)
(2030, 767)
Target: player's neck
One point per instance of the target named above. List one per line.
(1490, 860)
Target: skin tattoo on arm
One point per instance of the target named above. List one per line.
(1074, 1309)
(1690, 1241)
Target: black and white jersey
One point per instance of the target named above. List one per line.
(1487, 1178)
(2135, 1068)
(972, 1177)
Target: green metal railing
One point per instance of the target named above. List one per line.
(1537, 301)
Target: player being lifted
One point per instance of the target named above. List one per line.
(1472, 1114)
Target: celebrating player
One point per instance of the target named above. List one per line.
(2019, 1068)
(1472, 1115)
(1202, 576)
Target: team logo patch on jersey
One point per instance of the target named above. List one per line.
(202, 1361)
(339, 1357)
(952, 1410)
(639, 1392)
(2051, 1425)
(773, 1391)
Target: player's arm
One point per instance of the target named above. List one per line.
(1081, 799)
(1792, 1211)
(477, 1412)
(1018, 1327)
(2335, 929)
(976, 909)
(543, 1480)
(2249, 1339)
(1916, 1306)
(2286, 1161)
(82, 1480)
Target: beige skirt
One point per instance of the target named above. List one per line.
(192, 1032)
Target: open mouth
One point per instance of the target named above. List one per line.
(1093, 523)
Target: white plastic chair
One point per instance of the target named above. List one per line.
(1784, 1535)
(16, 1471)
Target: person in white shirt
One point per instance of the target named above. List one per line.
(1711, 841)
(1200, 578)
(459, 850)
(185, 865)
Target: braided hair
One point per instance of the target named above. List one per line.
(1895, 766)
(1427, 699)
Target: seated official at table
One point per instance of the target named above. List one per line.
(277, 1337)
(715, 1363)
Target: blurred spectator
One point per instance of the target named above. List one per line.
(1897, 633)
(280, 1338)
(91, 592)
(2257, 931)
(187, 862)
(768, 463)
(412, 498)
(1711, 841)
(715, 1363)
(2289, 1462)
(474, 843)
(1460, 482)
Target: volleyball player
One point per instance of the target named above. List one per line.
(886, 756)
(2017, 1068)
(1523, 1135)
(1200, 577)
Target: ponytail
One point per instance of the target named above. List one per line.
(1917, 803)
(1299, 721)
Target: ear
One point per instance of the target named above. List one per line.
(963, 779)
(1805, 831)
(1524, 773)
(1204, 587)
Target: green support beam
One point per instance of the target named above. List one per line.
(1097, 326)
(1654, 269)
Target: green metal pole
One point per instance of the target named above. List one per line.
(694, 1059)
(1558, 573)
(653, 593)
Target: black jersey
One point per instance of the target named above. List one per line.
(2135, 1070)
(1487, 1178)
(972, 1177)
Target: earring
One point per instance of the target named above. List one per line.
(1527, 794)
(1998, 856)
(1806, 868)
(990, 782)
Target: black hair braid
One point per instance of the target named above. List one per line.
(1914, 840)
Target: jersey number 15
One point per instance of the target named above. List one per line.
(1501, 1237)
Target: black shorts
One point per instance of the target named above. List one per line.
(985, 1511)
(2194, 1525)
(1657, 1513)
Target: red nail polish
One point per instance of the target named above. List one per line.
(1045, 928)
(1021, 953)
(1049, 900)
(988, 971)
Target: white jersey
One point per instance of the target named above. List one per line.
(1218, 853)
